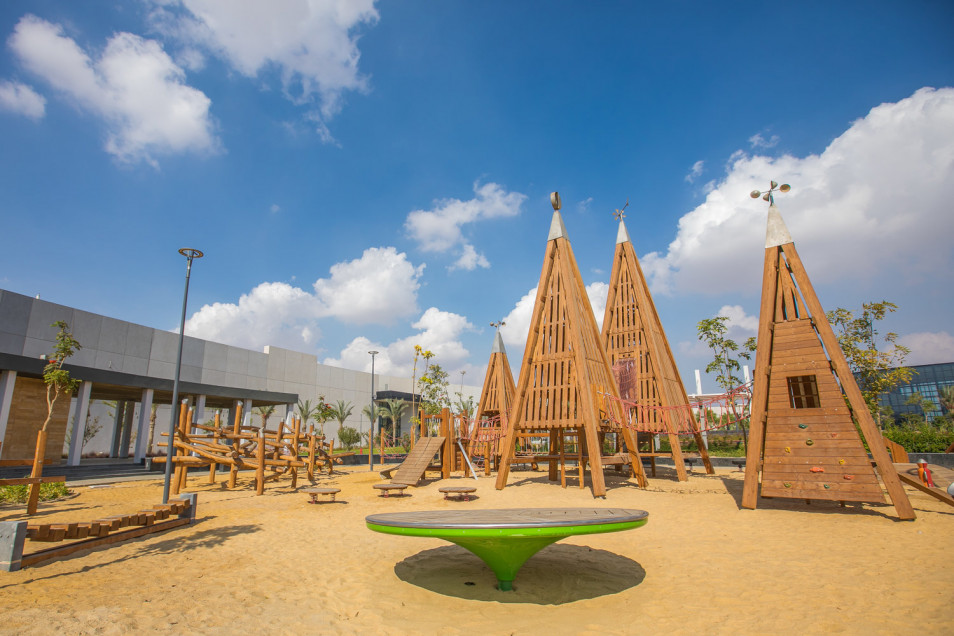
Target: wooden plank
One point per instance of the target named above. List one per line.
(937, 493)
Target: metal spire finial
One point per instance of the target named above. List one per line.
(620, 214)
(498, 324)
(767, 195)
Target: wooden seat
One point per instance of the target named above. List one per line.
(460, 492)
(389, 488)
(328, 493)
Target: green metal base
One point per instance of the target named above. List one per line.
(505, 550)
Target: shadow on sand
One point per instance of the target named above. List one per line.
(558, 574)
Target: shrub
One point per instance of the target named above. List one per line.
(19, 494)
(921, 440)
(348, 436)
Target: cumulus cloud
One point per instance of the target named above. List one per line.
(438, 331)
(134, 87)
(313, 46)
(696, 171)
(927, 347)
(379, 287)
(21, 99)
(739, 322)
(439, 229)
(872, 206)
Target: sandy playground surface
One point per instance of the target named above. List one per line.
(276, 564)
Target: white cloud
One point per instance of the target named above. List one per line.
(274, 208)
(739, 322)
(928, 348)
(379, 287)
(439, 331)
(313, 45)
(134, 87)
(584, 205)
(758, 141)
(271, 314)
(872, 206)
(21, 99)
(439, 229)
(696, 171)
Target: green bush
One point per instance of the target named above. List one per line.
(348, 436)
(921, 439)
(19, 494)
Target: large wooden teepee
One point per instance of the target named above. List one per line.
(802, 436)
(496, 398)
(632, 332)
(565, 369)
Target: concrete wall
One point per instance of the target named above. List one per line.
(116, 345)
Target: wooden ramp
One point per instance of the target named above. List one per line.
(942, 478)
(412, 469)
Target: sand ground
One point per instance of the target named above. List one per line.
(276, 564)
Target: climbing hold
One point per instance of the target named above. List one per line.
(788, 485)
(788, 449)
(817, 469)
(808, 442)
(834, 434)
(841, 462)
(827, 486)
(849, 477)
(803, 426)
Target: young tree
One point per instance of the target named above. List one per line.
(726, 353)
(434, 389)
(877, 372)
(393, 410)
(57, 379)
(265, 412)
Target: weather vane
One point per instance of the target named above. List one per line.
(620, 214)
(498, 324)
(767, 195)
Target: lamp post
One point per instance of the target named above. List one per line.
(371, 414)
(190, 254)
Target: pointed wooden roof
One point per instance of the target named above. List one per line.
(565, 367)
(802, 435)
(497, 394)
(632, 331)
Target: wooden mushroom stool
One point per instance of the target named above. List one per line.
(328, 493)
(389, 488)
(459, 492)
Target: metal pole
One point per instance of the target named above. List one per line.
(371, 415)
(189, 253)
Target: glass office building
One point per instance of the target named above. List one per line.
(927, 381)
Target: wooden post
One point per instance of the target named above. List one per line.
(236, 443)
(38, 455)
(312, 440)
(215, 439)
(260, 469)
(447, 432)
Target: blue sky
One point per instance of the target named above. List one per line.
(376, 175)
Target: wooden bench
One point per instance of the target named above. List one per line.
(389, 488)
(458, 492)
(327, 493)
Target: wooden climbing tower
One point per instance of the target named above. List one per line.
(633, 334)
(496, 398)
(803, 440)
(565, 370)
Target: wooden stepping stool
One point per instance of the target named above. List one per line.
(328, 493)
(459, 492)
(389, 488)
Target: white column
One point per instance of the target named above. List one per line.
(705, 437)
(745, 373)
(199, 413)
(79, 424)
(142, 428)
(7, 381)
(247, 413)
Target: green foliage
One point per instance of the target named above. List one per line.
(393, 410)
(57, 379)
(265, 412)
(877, 372)
(348, 436)
(434, 390)
(320, 412)
(20, 494)
(406, 442)
(726, 352)
(463, 404)
(921, 439)
(341, 411)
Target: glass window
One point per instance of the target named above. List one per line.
(803, 392)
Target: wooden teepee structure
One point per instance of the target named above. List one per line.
(802, 436)
(632, 333)
(565, 370)
(496, 398)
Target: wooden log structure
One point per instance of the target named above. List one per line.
(803, 442)
(14, 535)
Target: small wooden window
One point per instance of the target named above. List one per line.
(803, 392)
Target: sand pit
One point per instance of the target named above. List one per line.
(702, 565)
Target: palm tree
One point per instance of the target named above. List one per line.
(947, 398)
(306, 412)
(265, 412)
(393, 410)
(341, 411)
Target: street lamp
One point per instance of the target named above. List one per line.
(371, 415)
(190, 254)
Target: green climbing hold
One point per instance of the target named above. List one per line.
(803, 426)
(788, 485)
(809, 442)
(827, 486)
